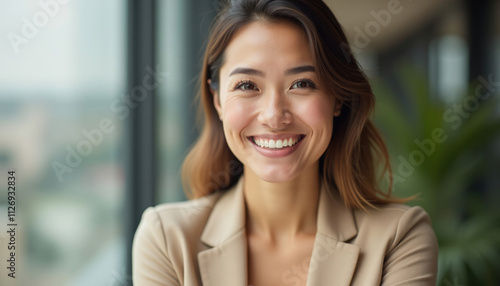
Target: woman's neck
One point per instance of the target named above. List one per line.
(280, 212)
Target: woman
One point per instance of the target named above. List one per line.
(284, 172)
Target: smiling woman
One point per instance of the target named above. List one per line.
(283, 176)
(267, 94)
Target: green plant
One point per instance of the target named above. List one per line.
(443, 153)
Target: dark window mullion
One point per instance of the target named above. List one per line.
(141, 171)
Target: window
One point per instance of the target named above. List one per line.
(63, 66)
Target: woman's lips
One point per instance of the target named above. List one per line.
(277, 142)
(276, 147)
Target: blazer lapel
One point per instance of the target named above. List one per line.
(225, 262)
(333, 260)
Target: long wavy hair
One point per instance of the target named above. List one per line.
(356, 149)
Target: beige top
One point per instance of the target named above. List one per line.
(203, 242)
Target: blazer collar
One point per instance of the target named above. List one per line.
(225, 263)
(227, 217)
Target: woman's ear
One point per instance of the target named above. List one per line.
(215, 98)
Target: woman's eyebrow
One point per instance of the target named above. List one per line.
(292, 71)
(247, 71)
(300, 69)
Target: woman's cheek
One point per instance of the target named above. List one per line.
(316, 112)
(237, 114)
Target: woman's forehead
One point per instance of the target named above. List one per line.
(268, 44)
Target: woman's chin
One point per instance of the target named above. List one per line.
(276, 176)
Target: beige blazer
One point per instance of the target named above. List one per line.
(203, 242)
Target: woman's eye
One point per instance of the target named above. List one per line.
(303, 83)
(246, 85)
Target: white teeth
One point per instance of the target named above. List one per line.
(279, 144)
(276, 144)
(272, 144)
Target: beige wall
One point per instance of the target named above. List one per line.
(406, 17)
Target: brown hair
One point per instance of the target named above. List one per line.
(350, 161)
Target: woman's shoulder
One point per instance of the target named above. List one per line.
(395, 215)
(391, 214)
(167, 236)
(180, 214)
(400, 239)
(394, 223)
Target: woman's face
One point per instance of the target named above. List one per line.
(277, 118)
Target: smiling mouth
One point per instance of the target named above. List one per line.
(277, 143)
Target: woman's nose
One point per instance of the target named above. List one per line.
(275, 112)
